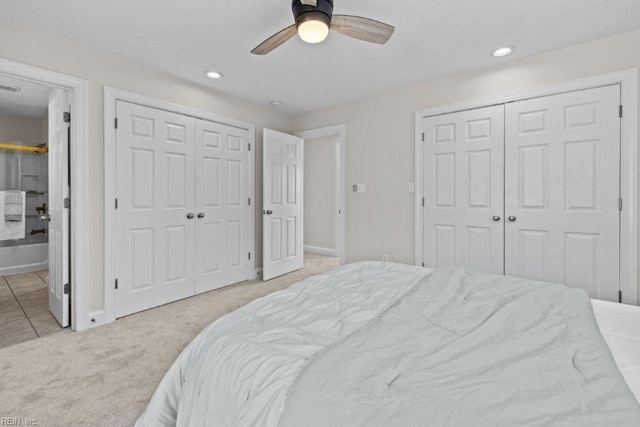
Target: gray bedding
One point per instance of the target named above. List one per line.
(373, 344)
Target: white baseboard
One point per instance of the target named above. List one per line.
(28, 268)
(98, 318)
(321, 251)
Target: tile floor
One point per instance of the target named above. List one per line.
(24, 308)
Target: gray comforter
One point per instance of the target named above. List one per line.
(373, 344)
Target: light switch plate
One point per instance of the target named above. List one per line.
(362, 188)
(412, 187)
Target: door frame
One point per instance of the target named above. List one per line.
(341, 132)
(79, 168)
(628, 81)
(111, 97)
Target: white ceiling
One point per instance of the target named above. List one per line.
(433, 38)
(31, 101)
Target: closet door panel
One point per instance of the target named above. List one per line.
(222, 205)
(463, 182)
(155, 181)
(562, 171)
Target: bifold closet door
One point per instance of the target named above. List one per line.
(154, 240)
(463, 188)
(562, 172)
(222, 204)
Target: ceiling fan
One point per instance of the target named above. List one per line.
(314, 19)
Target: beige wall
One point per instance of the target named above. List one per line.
(22, 129)
(380, 135)
(45, 50)
(320, 191)
(380, 130)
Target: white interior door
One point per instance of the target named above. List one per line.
(562, 187)
(463, 189)
(282, 204)
(222, 204)
(59, 214)
(155, 215)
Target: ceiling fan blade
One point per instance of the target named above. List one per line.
(275, 40)
(359, 28)
(309, 2)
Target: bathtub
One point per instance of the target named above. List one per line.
(25, 255)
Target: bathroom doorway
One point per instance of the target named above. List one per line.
(34, 210)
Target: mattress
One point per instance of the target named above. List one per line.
(620, 327)
(388, 344)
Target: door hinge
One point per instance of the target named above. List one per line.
(67, 288)
(249, 255)
(116, 283)
(249, 146)
(620, 204)
(116, 203)
(115, 123)
(620, 296)
(249, 201)
(423, 202)
(423, 264)
(67, 203)
(66, 117)
(620, 111)
(422, 136)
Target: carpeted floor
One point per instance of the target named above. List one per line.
(106, 375)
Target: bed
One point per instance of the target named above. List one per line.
(383, 344)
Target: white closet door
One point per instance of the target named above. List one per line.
(463, 182)
(222, 205)
(282, 204)
(59, 226)
(562, 187)
(154, 218)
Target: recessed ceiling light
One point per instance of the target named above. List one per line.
(214, 74)
(276, 103)
(503, 51)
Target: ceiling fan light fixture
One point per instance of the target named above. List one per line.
(313, 27)
(313, 21)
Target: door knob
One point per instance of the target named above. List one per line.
(512, 218)
(496, 218)
(46, 217)
(190, 215)
(269, 212)
(200, 215)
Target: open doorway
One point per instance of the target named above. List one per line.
(34, 210)
(324, 184)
